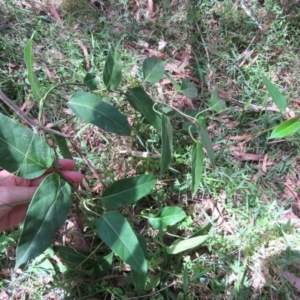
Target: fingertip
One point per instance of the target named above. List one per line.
(73, 176)
(66, 164)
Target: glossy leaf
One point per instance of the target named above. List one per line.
(117, 234)
(197, 166)
(183, 245)
(166, 144)
(91, 81)
(104, 264)
(168, 216)
(62, 144)
(215, 103)
(153, 69)
(76, 257)
(22, 151)
(93, 110)
(139, 280)
(112, 74)
(128, 191)
(71, 256)
(188, 88)
(47, 211)
(286, 128)
(141, 102)
(277, 97)
(205, 139)
(34, 82)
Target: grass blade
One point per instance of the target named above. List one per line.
(205, 139)
(33, 80)
(277, 97)
(197, 166)
(166, 144)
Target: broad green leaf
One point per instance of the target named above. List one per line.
(78, 257)
(277, 97)
(197, 166)
(104, 264)
(215, 103)
(91, 81)
(62, 144)
(71, 256)
(175, 84)
(117, 234)
(22, 151)
(93, 110)
(112, 73)
(47, 211)
(139, 280)
(188, 88)
(183, 245)
(205, 139)
(204, 229)
(128, 191)
(141, 102)
(285, 129)
(153, 69)
(153, 282)
(35, 85)
(189, 127)
(168, 216)
(166, 144)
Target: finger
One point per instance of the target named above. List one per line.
(73, 176)
(13, 196)
(8, 179)
(14, 217)
(64, 164)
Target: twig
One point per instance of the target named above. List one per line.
(140, 154)
(25, 118)
(88, 164)
(253, 106)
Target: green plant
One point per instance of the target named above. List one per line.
(29, 156)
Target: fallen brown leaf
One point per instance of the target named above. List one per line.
(264, 164)
(85, 53)
(292, 279)
(150, 7)
(247, 156)
(54, 14)
(48, 72)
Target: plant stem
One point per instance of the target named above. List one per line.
(42, 101)
(29, 121)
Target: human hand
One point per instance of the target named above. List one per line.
(16, 192)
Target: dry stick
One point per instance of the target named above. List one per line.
(25, 118)
(88, 163)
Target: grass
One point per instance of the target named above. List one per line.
(250, 244)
